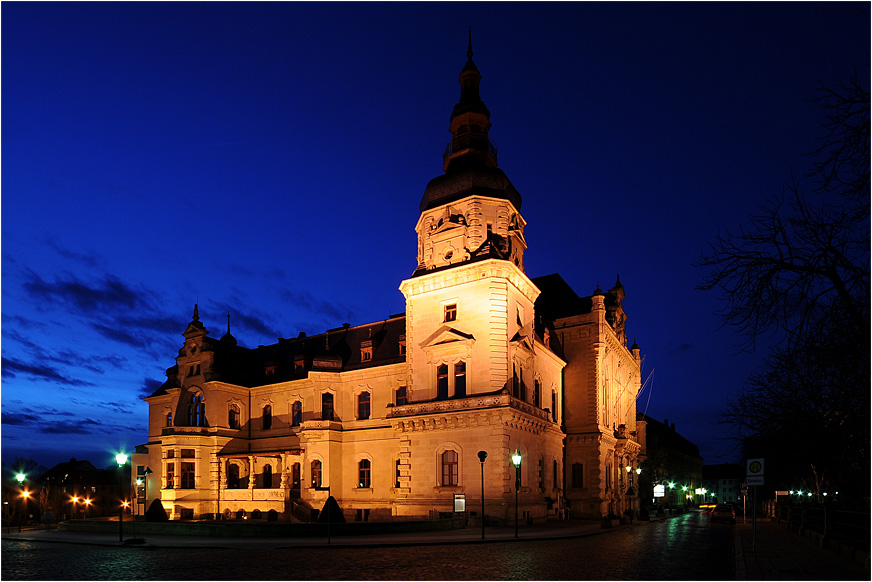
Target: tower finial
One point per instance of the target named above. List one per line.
(228, 323)
(469, 48)
(196, 313)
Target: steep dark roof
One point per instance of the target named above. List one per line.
(60, 471)
(335, 350)
(471, 181)
(660, 435)
(557, 299)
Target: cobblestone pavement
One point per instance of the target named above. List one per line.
(683, 548)
(782, 555)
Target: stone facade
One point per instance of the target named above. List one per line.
(391, 415)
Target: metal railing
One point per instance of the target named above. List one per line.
(850, 526)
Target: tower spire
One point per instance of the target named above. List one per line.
(470, 123)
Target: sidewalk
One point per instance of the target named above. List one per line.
(780, 554)
(550, 530)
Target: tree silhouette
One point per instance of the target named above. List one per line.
(800, 274)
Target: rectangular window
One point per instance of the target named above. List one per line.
(363, 406)
(397, 475)
(556, 476)
(541, 475)
(187, 475)
(171, 475)
(299, 366)
(442, 382)
(460, 380)
(296, 413)
(187, 453)
(449, 468)
(450, 312)
(366, 354)
(402, 397)
(554, 406)
(316, 473)
(402, 343)
(327, 406)
(171, 454)
(577, 475)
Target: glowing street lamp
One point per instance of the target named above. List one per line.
(516, 461)
(121, 459)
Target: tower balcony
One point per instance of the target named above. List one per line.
(469, 142)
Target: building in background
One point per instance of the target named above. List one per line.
(672, 469)
(77, 489)
(391, 415)
(723, 483)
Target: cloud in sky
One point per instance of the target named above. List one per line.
(13, 367)
(106, 295)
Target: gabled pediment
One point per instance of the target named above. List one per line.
(446, 335)
(522, 341)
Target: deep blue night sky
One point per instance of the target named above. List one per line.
(267, 160)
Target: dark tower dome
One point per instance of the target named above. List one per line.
(470, 159)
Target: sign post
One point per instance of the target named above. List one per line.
(754, 477)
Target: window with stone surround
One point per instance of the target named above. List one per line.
(266, 417)
(450, 313)
(402, 396)
(296, 413)
(233, 481)
(397, 473)
(363, 474)
(187, 476)
(171, 473)
(460, 380)
(442, 382)
(233, 416)
(449, 468)
(327, 406)
(316, 474)
(363, 406)
(577, 476)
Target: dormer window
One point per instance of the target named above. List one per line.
(450, 313)
(402, 344)
(193, 370)
(366, 350)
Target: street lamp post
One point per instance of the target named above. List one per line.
(20, 477)
(482, 455)
(25, 495)
(516, 461)
(121, 459)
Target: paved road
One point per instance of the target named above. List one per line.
(684, 548)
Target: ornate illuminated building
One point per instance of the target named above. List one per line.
(391, 415)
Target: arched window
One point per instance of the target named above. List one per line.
(169, 418)
(516, 385)
(363, 406)
(460, 380)
(316, 473)
(267, 417)
(537, 394)
(197, 411)
(363, 474)
(267, 477)
(327, 406)
(442, 382)
(233, 476)
(296, 413)
(449, 468)
(233, 416)
(556, 476)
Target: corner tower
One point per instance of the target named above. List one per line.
(472, 211)
(469, 303)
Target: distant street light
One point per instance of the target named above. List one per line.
(482, 455)
(516, 461)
